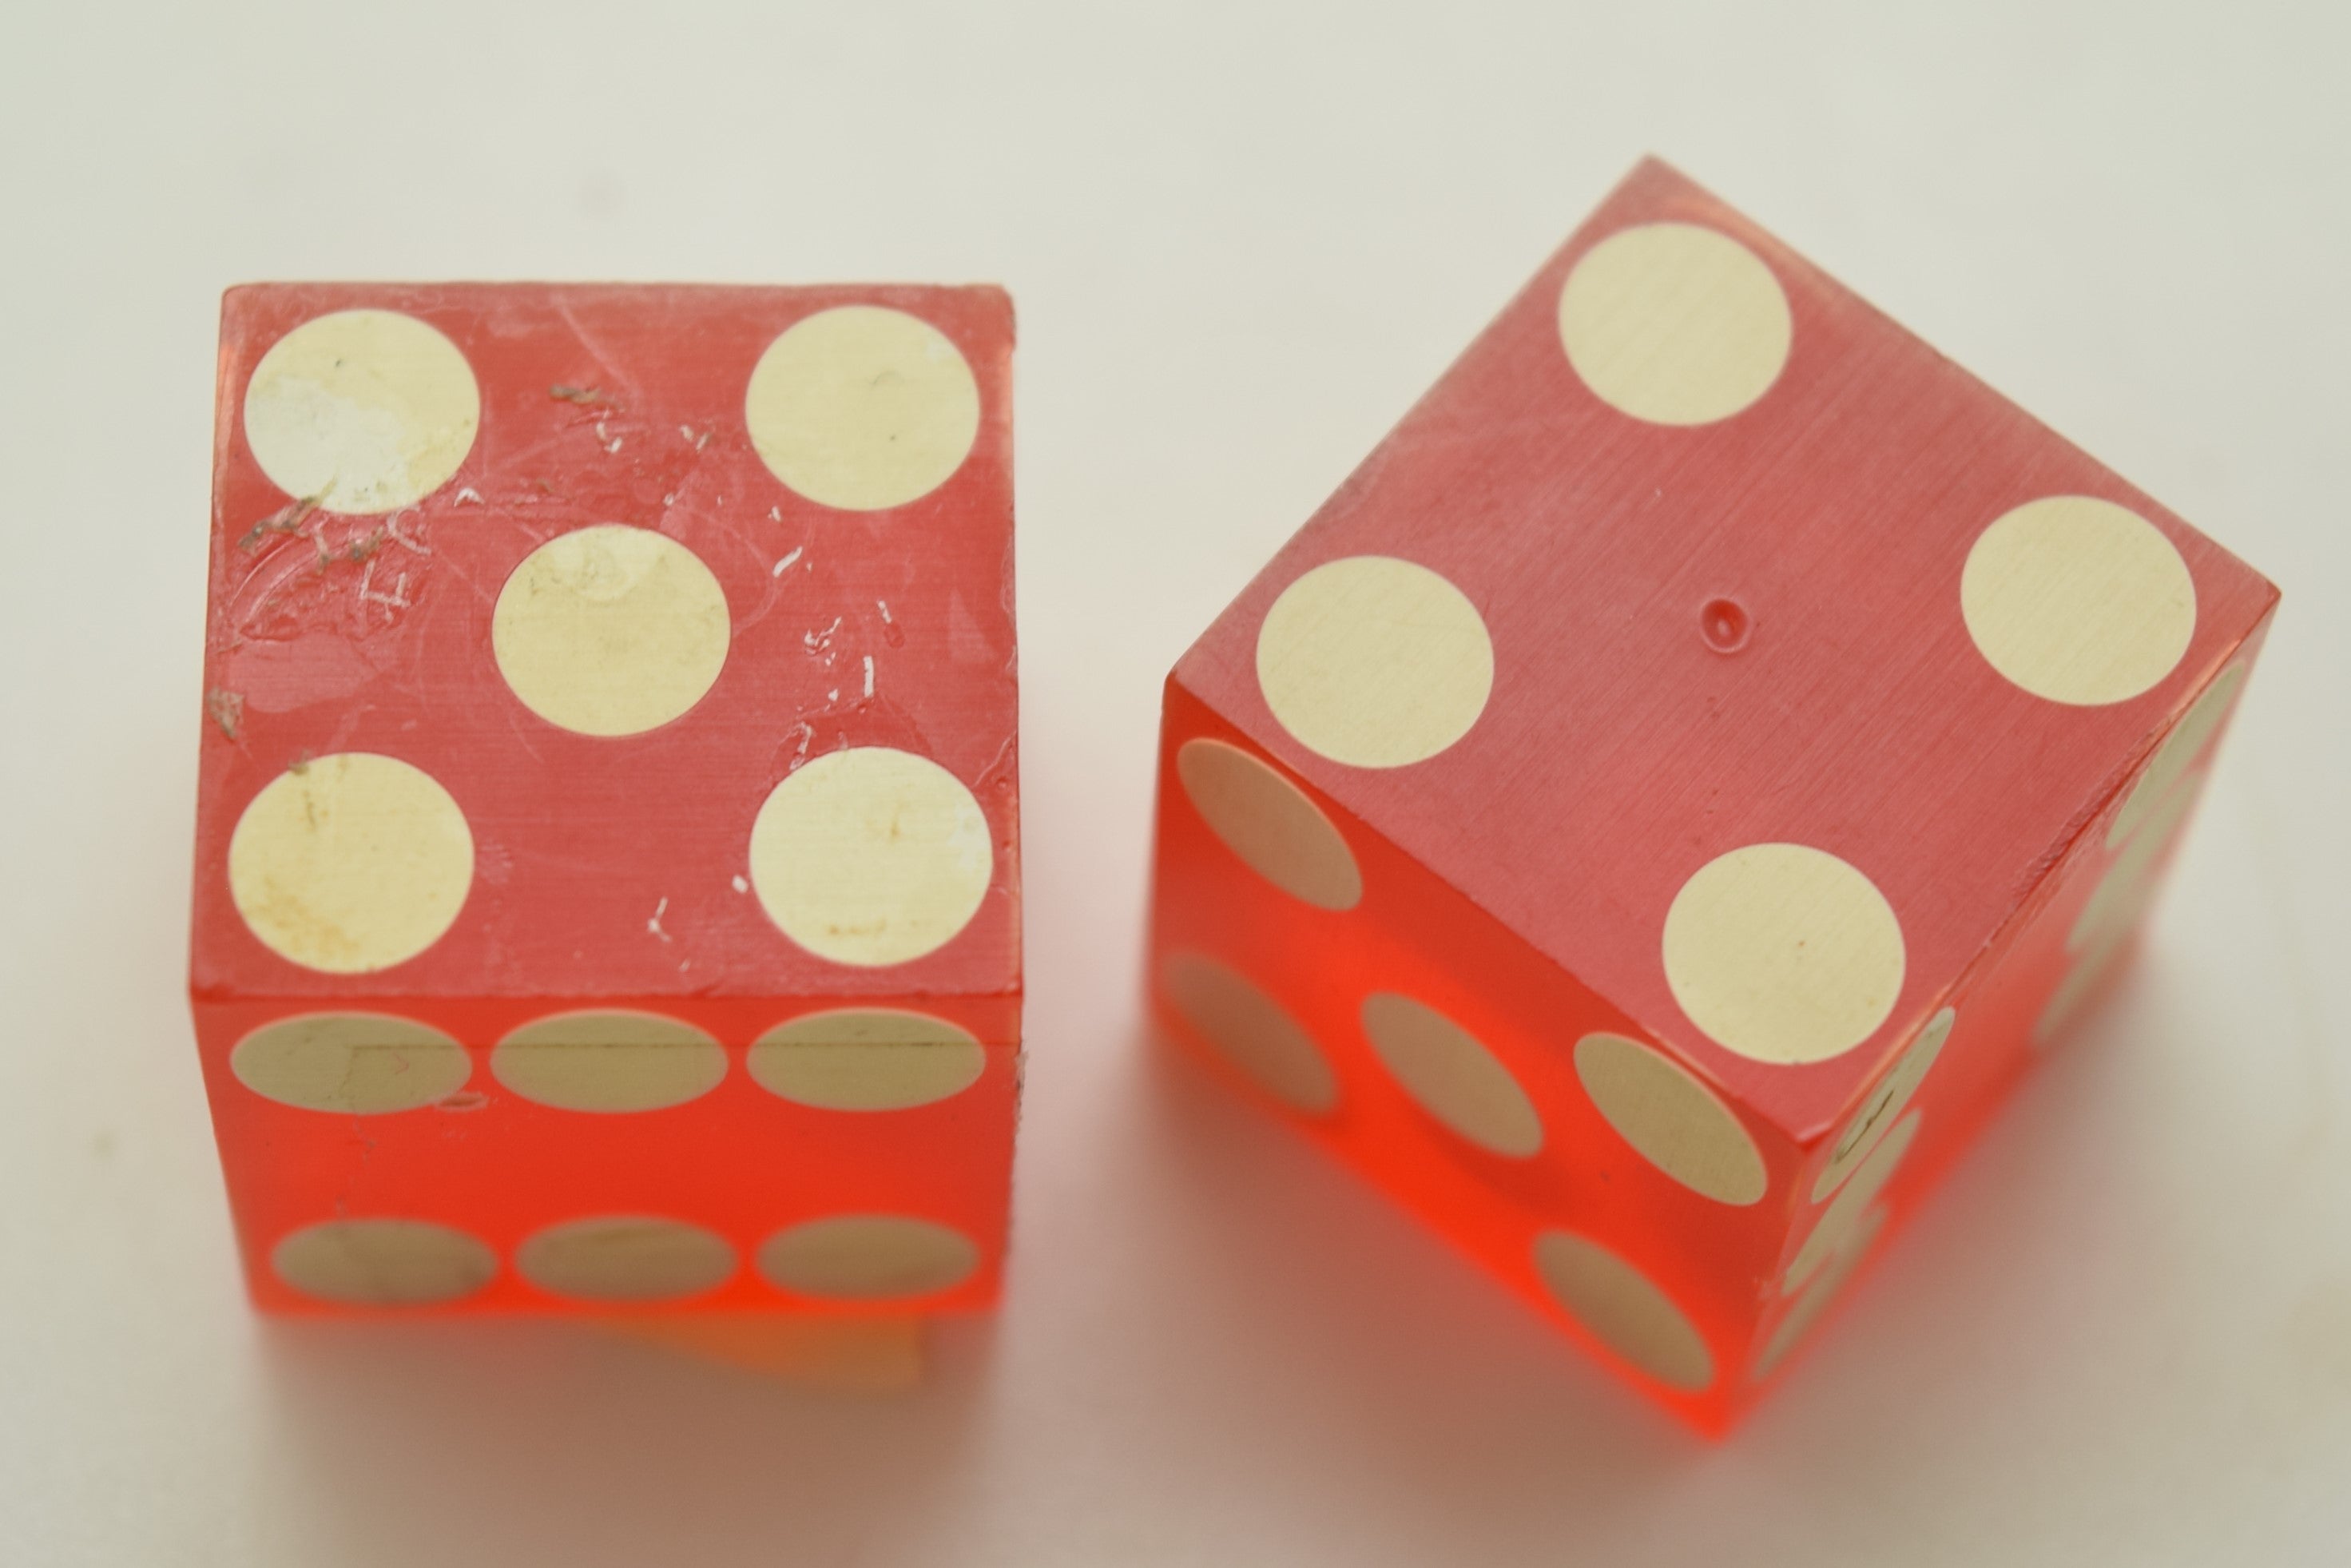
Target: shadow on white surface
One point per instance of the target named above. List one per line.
(521, 1441)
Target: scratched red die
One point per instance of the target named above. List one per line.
(607, 878)
(1654, 811)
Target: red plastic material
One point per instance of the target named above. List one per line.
(611, 872)
(1705, 636)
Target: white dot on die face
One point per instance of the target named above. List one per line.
(1675, 324)
(350, 1063)
(609, 1061)
(2179, 753)
(861, 408)
(625, 1258)
(1838, 1221)
(2080, 983)
(1858, 1136)
(609, 630)
(868, 1257)
(2078, 600)
(1783, 953)
(866, 1059)
(1671, 1118)
(1250, 1031)
(362, 411)
(1817, 1296)
(1452, 1076)
(383, 1262)
(871, 856)
(1625, 1310)
(2123, 892)
(350, 863)
(1374, 661)
(1271, 823)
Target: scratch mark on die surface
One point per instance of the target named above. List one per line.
(469, 496)
(869, 674)
(396, 600)
(587, 340)
(740, 884)
(287, 519)
(227, 710)
(785, 565)
(412, 545)
(654, 925)
(358, 548)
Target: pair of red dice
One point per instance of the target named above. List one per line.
(1644, 821)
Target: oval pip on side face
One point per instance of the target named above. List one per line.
(1672, 1120)
(1253, 1033)
(1274, 827)
(866, 1059)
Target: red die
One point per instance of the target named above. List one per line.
(1707, 712)
(606, 879)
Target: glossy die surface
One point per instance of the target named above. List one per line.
(607, 877)
(1708, 711)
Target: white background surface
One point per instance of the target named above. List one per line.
(1242, 239)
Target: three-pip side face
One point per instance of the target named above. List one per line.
(1654, 809)
(607, 881)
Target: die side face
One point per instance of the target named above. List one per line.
(511, 1174)
(2031, 992)
(1255, 981)
(610, 780)
(1704, 637)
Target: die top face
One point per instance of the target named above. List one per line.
(1726, 644)
(608, 641)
